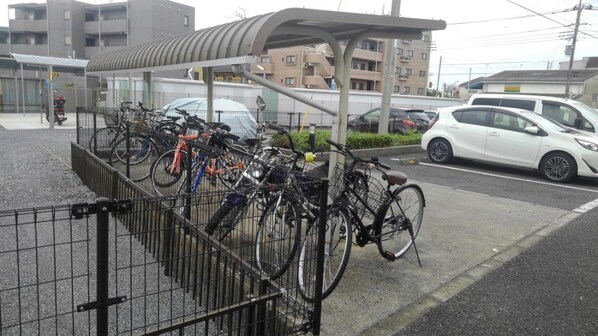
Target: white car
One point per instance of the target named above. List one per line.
(513, 137)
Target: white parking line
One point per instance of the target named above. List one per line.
(587, 207)
(510, 178)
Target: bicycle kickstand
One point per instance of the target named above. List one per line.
(414, 246)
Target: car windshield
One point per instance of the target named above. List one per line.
(545, 123)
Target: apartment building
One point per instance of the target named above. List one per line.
(69, 28)
(313, 66)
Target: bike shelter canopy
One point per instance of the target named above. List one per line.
(238, 43)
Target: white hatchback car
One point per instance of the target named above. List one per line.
(513, 137)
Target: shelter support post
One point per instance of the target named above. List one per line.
(50, 109)
(148, 88)
(23, 88)
(208, 78)
(85, 87)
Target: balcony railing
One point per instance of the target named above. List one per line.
(22, 25)
(108, 27)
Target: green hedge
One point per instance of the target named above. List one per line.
(355, 140)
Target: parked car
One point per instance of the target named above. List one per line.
(513, 137)
(431, 114)
(234, 114)
(568, 112)
(401, 120)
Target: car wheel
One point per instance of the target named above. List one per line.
(440, 151)
(558, 167)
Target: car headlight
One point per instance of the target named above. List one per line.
(587, 144)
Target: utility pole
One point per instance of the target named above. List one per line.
(438, 79)
(389, 75)
(572, 56)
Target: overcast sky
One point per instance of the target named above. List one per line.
(482, 37)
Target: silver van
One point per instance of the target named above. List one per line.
(568, 112)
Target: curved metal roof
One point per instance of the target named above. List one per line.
(238, 42)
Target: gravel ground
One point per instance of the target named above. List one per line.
(36, 169)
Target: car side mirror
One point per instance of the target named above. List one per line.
(532, 130)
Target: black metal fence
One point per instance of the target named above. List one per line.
(130, 263)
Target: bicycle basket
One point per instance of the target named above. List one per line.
(111, 118)
(361, 188)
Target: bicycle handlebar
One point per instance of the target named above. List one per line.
(343, 149)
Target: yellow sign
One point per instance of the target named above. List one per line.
(52, 75)
(512, 88)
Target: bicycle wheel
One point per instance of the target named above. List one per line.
(164, 175)
(225, 219)
(102, 141)
(230, 165)
(278, 236)
(141, 155)
(336, 253)
(402, 220)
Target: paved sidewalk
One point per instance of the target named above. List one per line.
(31, 121)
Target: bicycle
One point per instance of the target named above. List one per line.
(168, 169)
(389, 216)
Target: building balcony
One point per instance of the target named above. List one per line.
(315, 82)
(4, 48)
(118, 26)
(23, 25)
(30, 49)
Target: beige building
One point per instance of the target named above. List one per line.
(313, 66)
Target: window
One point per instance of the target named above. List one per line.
(67, 40)
(562, 114)
(396, 89)
(265, 59)
(291, 59)
(473, 117)
(509, 122)
(422, 73)
(486, 101)
(529, 105)
(186, 20)
(67, 14)
(424, 56)
(399, 51)
(397, 70)
(594, 97)
(361, 86)
(410, 53)
(372, 116)
(406, 89)
(426, 38)
(420, 91)
(353, 86)
(289, 81)
(407, 71)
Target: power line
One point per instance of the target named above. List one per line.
(506, 19)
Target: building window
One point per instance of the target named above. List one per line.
(353, 86)
(595, 97)
(420, 91)
(399, 51)
(396, 89)
(289, 81)
(397, 70)
(361, 86)
(67, 14)
(422, 73)
(67, 40)
(424, 56)
(407, 71)
(406, 89)
(186, 20)
(265, 59)
(425, 38)
(410, 53)
(291, 59)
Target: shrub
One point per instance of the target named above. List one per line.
(355, 140)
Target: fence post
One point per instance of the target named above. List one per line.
(95, 129)
(168, 243)
(291, 122)
(188, 182)
(127, 149)
(317, 318)
(102, 249)
(77, 125)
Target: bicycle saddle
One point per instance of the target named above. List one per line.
(394, 177)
